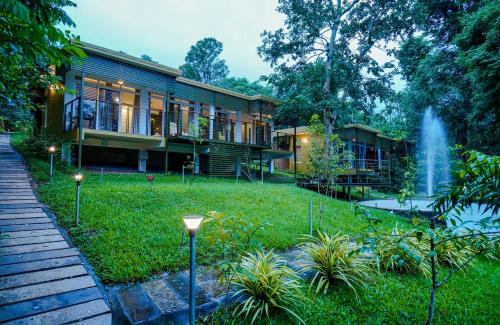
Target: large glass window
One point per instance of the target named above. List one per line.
(156, 108)
(108, 109)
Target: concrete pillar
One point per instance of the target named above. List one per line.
(270, 165)
(211, 122)
(142, 160)
(144, 128)
(238, 127)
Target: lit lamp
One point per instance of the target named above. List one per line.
(78, 179)
(52, 149)
(192, 223)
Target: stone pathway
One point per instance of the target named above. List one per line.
(164, 300)
(43, 280)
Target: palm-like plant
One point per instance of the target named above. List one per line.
(334, 258)
(401, 252)
(264, 283)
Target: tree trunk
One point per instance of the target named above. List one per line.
(435, 285)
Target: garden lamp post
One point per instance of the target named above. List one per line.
(192, 223)
(78, 179)
(52, 149)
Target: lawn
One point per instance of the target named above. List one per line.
(129, 232)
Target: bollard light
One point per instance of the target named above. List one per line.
(78, 179)
(52, 149)
(192, 224)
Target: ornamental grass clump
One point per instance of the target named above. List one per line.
(335, 259)
(265, 283)
(401, 252)
(450, 251)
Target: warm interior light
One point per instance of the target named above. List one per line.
(305, 140)
(52, 149)
(120, 82)
(192, 222)
(78, 177)
(117, 100)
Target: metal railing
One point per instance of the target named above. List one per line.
(116, 117)
(103, 115)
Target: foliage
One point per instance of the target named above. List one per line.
(32, 43)
(340, 37)
(452, 65)
(266, 283)
(408, 189)
(197, 136)
(399, 251)
(242, 85)
(335, 258)
(203, 62)
(477, 180)
(452, 252)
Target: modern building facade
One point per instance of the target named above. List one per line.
(375, 157)
(144, 115)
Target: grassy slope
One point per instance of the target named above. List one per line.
(129, 233)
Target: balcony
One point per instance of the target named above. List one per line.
(116, 117)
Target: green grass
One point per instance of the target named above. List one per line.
(130, 233)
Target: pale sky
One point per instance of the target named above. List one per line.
(165, 29)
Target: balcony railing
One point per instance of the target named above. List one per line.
(116, 117)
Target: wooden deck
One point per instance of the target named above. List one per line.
(42, 278)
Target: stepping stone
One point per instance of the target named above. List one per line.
(44, 304)
(30, 240)
(67, 314)
(137, 306)
(164, 296)
(30, 233)
(19, 280)
(31, 248)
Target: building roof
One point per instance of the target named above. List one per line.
(132, 60)
(303, 130)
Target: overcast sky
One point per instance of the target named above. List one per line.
(165, 29)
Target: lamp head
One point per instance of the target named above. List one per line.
(192, 223)
(52, 149)
(78, 177)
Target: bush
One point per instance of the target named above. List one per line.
(265, 283)
(401, 251)
(334, 258)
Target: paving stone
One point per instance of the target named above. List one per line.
(66, 315)
(30, 233)
(30, 240)
(34, 226)
(44, 304)
(137, 305)
(39, 265)
(18, 280)
(164, 296)
(37, 256)
(179, 281)
(21, 249)
(4, 216)
(25, 221)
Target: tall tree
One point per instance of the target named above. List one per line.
(244, 86)
(343, 33)
(203, 62)
(31, 44)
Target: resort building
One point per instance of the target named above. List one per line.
(375, 157)
(145, 115)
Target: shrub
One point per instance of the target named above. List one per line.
(265, 282)
(450, 252)
(334, 258)
(401, 251)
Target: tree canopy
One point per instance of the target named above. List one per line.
(32, 43)
(203, 62)
(339, 36)
(453, 66)
(242, 85)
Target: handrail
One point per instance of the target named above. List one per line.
(123, 117)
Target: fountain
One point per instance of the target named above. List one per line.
(433, 155)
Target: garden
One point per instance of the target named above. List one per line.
(131, 229)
